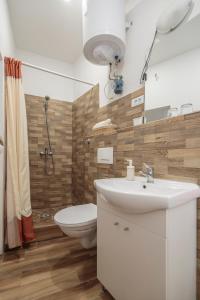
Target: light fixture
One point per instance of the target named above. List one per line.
(168, 21)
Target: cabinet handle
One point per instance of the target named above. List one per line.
(126, 229)
(116, 223)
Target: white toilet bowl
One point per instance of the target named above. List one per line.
(79, 221)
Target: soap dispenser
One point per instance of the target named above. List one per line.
(130, 170)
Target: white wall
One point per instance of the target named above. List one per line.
(7, 48)
(177, 82)
(130, 4)
(89, 72)
(196, 9)
(139, 38)
(40, 83)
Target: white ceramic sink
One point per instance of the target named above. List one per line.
(141, 197)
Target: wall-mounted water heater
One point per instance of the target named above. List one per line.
(104, 30)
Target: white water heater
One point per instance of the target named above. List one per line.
(104, 30)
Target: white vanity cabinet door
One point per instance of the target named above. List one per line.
(130, 261)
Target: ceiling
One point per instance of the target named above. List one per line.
(51, 28)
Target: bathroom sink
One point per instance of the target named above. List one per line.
(141, 197)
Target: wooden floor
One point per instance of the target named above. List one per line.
(54, 270)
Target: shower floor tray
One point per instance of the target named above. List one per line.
(44, 226)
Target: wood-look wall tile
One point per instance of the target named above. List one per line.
(52, 191)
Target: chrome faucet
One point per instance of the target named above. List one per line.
(147, 172)
(46, 153)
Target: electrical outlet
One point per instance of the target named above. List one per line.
(138, 101)
(138, 121)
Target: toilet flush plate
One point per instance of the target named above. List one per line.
(105, 155)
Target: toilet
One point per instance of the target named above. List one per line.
(79, 221)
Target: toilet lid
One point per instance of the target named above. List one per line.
(77, 215)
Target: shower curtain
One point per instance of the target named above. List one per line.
(19, 225)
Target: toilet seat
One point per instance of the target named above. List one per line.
(78, 227)
(79, 217)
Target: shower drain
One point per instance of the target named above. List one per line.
(45, 215)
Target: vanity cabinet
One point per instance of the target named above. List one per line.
(145, 257)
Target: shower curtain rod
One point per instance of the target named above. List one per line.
(57, 74)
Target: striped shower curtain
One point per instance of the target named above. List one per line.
(19, 226)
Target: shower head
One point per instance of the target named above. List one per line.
(47, 98)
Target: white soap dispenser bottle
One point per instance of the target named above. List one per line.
(130, 170)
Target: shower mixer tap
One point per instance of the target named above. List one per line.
(46, 153)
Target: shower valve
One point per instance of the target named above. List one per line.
(46, 153)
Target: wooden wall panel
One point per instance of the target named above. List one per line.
(53, 191)
(86, 113)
